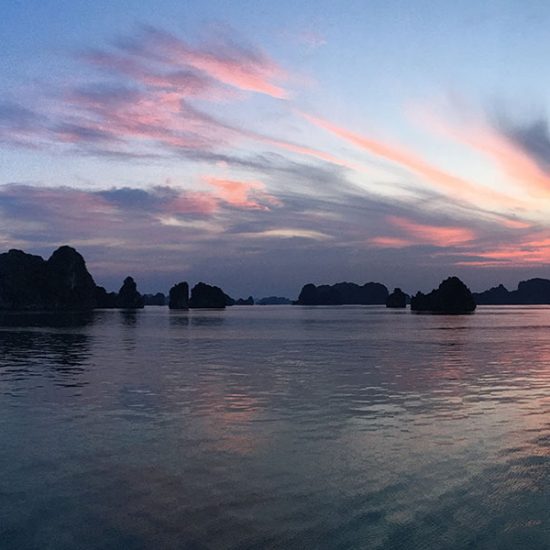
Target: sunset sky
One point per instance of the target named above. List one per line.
(261, 145)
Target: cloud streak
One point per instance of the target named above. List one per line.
(243, 191)
(224, 60)
(445, 182)
(414, 233)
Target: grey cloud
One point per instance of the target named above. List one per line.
(120, 231)
(534, 140)
(15, 116)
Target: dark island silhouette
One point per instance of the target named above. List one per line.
(179, 296)
(274, 301)
(208, 296)
(60, 283)
(202, 296)
(245, 301)
(128, 295)
(63, 283)
(343, 294)
(397, 299)
(451, 297)
(158, 299)
(531, 292)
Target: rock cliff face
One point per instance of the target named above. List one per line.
(207, 296)
(343, 293)
(397, 299)
(22, 281)
(179, 296)
(452, 297)
(70, 286)
(128, 295)
(61, 283)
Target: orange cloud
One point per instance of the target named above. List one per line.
(417, 233)
(534, 249)
(194, 202)
(254, 77)
(512, 160)
(448, 183)
(433, 234)
(242, 194)
(390, 242)
(226, 62)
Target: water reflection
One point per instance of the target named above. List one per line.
(129, 317)
(47, 355)
(48, 319)
(288, 428)
(178, 319)
(214, 319)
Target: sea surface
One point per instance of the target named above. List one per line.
(275, 427)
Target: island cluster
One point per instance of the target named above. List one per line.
(63, 282)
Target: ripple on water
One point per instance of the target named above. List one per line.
(275, 427)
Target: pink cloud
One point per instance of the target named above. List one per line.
(242, 194)
(418, 233)
(448, 183)
(225, 61)
(533, 249)
(194, 202)
(511, 159)
(390, 242)
(433, 234)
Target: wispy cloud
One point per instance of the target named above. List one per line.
(414, 233)
(141, 102)
(533, 138)
(253, 186)
(223, 59)
(242, 194)
(530, 250)
(519, 150)
(450, 184)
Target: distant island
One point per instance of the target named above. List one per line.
(530, 292)
(62, 282)
(343, 294)
(274, 301)
(452, 297)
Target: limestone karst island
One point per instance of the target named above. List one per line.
(63, 282)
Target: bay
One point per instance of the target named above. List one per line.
(275, 427)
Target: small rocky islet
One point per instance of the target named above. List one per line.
(62, 282)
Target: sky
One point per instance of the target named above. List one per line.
(260, 146)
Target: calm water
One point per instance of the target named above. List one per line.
(275, 427)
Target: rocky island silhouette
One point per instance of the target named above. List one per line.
(451, 297)
(397, 299)
(343, 294)
(63, 283)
